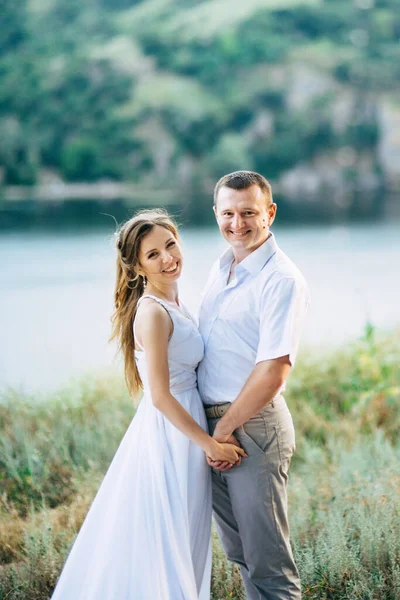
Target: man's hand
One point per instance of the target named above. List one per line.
(220, 465)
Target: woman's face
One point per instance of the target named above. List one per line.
(160, 256)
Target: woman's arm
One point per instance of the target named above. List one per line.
(153, 329)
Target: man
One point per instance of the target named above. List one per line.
(250, 319)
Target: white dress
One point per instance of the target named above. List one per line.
(147, 535)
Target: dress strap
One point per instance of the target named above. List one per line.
(164, 305)
(156, 298)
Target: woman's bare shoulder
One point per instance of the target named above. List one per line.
(152, 315)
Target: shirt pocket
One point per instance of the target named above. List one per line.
(242, 317)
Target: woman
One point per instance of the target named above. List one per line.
(147, 533)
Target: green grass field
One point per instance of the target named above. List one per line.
(344, 481)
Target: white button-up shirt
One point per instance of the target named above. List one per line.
(257, 316)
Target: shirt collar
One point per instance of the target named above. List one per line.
(254, 262)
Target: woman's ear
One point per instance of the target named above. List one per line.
(137, 269)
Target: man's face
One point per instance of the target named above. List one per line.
(244, 218)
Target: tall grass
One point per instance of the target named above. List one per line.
(48, 445)
(344, 482)
(345, 519)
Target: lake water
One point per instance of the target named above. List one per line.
(56, 293)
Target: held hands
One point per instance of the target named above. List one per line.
(223, 465)
(225, 453)
(223, 436)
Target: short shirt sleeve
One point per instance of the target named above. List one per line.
(283, 309)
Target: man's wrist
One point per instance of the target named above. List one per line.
(225, 426)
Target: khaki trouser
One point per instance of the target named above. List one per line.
(250, 505)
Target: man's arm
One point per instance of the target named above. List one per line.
(264, 382)
(283, 306)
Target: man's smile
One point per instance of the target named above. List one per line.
(239, 233)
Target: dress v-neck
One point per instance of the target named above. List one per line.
(185, 315)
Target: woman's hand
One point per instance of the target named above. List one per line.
(220, 465)
(225, 452)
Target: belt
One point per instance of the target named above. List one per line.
(215, 411)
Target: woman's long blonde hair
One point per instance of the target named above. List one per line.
(129, 285)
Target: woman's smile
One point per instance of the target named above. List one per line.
(172, 269)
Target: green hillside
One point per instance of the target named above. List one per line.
(176, 92)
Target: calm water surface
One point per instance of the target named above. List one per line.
(56, 293)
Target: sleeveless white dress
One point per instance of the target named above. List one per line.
(147, 535)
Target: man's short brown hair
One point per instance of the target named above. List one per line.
(242, 180)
